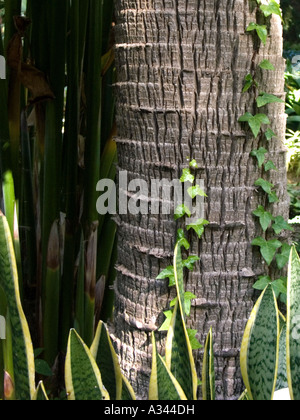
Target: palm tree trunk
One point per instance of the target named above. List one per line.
(181, 67)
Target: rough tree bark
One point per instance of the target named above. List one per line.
(181, 67)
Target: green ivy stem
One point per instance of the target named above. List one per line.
(198, 227)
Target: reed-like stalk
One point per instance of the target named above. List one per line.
(54, 149)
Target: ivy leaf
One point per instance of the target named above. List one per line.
(269, 134)
(262, 283)
(194, 164)
(269, 166)
(190, 262)
(267, 98)
(265, 185)
(182, 239)
(261, 31)
(272, 8)
(267, 248)
(283, 258)
(255, 122)
(181, 211)
(167, 323)
(193, 340)
(198, 227)
(168, 273)
(187, 176)
(260, 154)
(265, 218)
(266, 65)
(280, 286)
(42, 368)
(280, 225)
(196, 191)
(249, 83)
(188, 297)
(273, 197)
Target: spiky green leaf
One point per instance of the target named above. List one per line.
(260, 348)
(82, 375)
(293, 326)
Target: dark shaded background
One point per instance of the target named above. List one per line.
(291, 14)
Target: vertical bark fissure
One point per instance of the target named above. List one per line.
(181, 69)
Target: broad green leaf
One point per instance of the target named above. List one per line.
(107, 361)
(22, 349)
(246, 117)
(181, 211)
(260, 348)
(260, 155)
(193, 339)
(271, 8)
(262, 283)
(187, 176)
(283, 258)
(265, 185)
(188, 297)
(268, 249)
(279, 287)
(273, 198)
(255, 122)
(265, 217)
(42, 368)
(270, 134)
(163, 384)
(255, 126)
(198, 227)
(182, 239)
(196, 191)
(280, 225)
(190, 262)
(167, 323)
(82, 375)
(293, 326)
(194, 164)
(270, 166)
(208, 370)
(248, 83)
(267, 98)
(168, 273)
(261, 31)
(266, 65)
(179, 356)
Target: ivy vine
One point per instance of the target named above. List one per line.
(260, 124)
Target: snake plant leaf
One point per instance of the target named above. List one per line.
(178, 274)
(260, 348)
(22, 349)
(127, 390)
(282, 382)
(208, 372)
(103, 352)
(293, 326)
(41, 394)
(179, 356)
(82, 375)
(163, 384)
